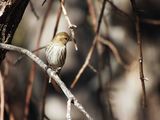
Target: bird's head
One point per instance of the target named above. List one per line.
(61, 37)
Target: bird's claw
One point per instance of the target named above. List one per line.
(72, 26)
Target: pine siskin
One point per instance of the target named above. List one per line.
(56, 51)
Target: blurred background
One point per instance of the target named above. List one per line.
(114, 92)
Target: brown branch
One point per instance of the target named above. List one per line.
(92, 13)
(89, 55)
(44, 2)
(142, 78)
(45, 88)
(33, 10)
(58, 19)
(151, 21)
(33, 68)
(44, 21)
(114, 51)
(2, 97)
(52, 74)
(139, 41)
(29, 91)
(108, 87)
(119, 10)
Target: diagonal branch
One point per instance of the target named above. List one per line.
(50, 73)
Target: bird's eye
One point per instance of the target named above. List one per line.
(65, 38)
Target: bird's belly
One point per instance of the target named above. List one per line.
(56, 57)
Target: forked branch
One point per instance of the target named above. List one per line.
(50, 73)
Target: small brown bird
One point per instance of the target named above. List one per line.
(56, 51)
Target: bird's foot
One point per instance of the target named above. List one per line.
(58, 70)
(48, 66)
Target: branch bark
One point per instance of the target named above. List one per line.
(52, 74)
(11, 12)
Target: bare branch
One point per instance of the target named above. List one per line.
(151, 21)
(50, 73)
(71, 26)
(139, 41)
(92, 68)
(57, 21)
(44, 22)
(33, 10)
(44, 2)
(119, 10)
(29, 91)
(114, 51)
(92, 13)
(89, 55)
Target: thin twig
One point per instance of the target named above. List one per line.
(71, 26)
(89, 55)
(142, 78)
(92, 68)
(108, 87)
(2, 97)
(58, 19)
(44, 21)
(139, 41)
(100, 90)
(44, 2)
(29, 91)
(114, 51)
(33, 10)
(45, 89)
(151, 21)
(92, 13)
(50, 73)
(120, 11)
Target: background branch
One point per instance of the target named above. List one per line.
(89, 55)
(139, 41)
